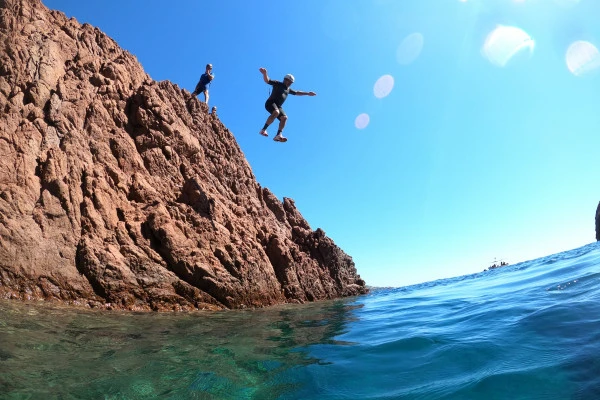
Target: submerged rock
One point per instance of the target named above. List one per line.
(120, 192)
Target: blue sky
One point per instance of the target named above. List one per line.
(485, 147)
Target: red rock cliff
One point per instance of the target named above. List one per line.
(121, 192)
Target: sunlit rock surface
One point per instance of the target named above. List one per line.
(120, 192)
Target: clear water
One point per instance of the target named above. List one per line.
(526, 331)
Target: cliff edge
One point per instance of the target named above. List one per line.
(120, 192)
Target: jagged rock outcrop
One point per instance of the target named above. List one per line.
(117, 191)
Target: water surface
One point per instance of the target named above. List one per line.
(525, 331)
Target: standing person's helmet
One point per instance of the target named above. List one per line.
(289, 77)
(209, 66)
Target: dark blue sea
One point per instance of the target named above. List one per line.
(524, 331)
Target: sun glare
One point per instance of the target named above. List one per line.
(383, 87)
(582, 57)
(362, 121)
(504, 42)
(410, 48)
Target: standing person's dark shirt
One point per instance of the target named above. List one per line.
(279, 93)
(204, 80)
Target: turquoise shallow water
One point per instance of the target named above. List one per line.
(526, 331)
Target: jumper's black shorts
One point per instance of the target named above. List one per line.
(270, 107)
(200, 88)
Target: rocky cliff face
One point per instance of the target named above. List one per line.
(117, 191)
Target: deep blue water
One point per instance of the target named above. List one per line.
(525, 331)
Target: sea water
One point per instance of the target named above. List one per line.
(524, 331)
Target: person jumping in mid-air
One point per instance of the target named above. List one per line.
(275, 101)
(205, 80)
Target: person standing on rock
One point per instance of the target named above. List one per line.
(275, 101)
(205, 80)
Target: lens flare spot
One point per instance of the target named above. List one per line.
(504, 42)
(410, 48)
(582, 58)
(383, 86)
(362, 121)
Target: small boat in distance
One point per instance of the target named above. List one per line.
(496, 264)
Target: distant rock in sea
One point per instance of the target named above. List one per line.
(120, 192)
(598, 222)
